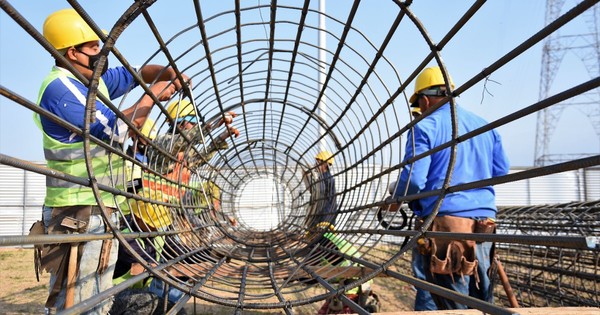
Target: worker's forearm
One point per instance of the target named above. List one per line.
(140, 110)
(151, 73)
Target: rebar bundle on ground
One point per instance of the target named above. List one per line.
(552, 275)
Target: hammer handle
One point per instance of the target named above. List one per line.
(512, 299)
(71, 276)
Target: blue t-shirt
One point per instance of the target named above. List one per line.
(66, 99)
(478, 158)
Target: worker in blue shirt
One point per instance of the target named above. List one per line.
(322, 189)
(64, 95)
(460, 265)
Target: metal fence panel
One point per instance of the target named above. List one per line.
(21, 198)
(11, 186)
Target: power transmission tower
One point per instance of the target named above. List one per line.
(585, 45)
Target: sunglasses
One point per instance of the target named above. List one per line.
(190, 119)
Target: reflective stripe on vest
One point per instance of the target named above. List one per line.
(69, 158)
(72, 154)
(180, 172)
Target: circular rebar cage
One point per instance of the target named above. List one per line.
(242, 224)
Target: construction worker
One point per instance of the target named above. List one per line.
(152, 217)
(363, 294)
(322, 188)
(207, 197)
(144, 297)
(69, 205)
(183, 115)
(146, 184)
(459, 265)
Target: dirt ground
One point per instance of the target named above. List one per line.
(21, 293)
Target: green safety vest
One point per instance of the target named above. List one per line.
(159, 243)
(69, 158)
(347, 248)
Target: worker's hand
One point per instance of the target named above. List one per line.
(392, 207)
(232, 221)
(226, 119)
(186, 80)
(231, 131)
(163, 90)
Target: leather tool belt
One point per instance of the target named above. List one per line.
(450, 257)
(54, 258)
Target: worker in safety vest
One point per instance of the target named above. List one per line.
(146, 184)
(142, 216)
(322, 190)
(362, 294)
(147, 294)
(64, 95)
(207, 197)
(185, 118)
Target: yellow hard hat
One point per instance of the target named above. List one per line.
(320, 227)
(155, 216)
(325, 156)
(65, 28)
(181, 109)
(431, 76)
(323, 226)
(148, 129)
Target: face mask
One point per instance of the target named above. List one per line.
(141, 148)
(93, 60)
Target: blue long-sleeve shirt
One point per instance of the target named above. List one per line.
(327, 187)
(478, 158)
(66, 98)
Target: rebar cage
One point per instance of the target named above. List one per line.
(240, 226)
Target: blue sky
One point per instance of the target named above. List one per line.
(495, 30)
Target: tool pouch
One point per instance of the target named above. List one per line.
(54, 254)
(486, 226)
(55, 257)
(453, 256)
(37, 228)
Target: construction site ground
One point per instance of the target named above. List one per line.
(21, 293)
